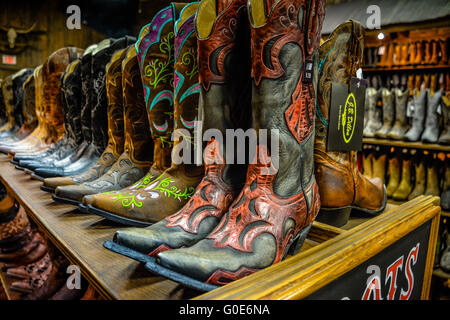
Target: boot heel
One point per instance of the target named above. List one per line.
(298, 242)
(334, 217)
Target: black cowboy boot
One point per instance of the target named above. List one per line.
(280, 199)
(222, 95)
(100, 57)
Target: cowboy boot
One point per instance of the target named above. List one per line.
(280, 204)
(412, 53)
(138, 147)
(100, 57)
(71, 189)
(3, 115)
(432, 186)
(373, 120)
(71, 104)
(80, 76)
(427, 56)
(443, 50)
(401, 122)
(385, 56)
(13, 105)
(148, 201)
(379, 167)
(404, 54)
(405, 186)
(397, 55)
(431, 132)
(393, 175)
(444, 138)
(434, 52)
(419, 53)
(31, 270)
(219, 95)
(420, 179)
(29, 114)
(390, 55)
(336, 172)
(10, 127)
(388, 113)
(367, 163)
(445, 195)
(419, 101)
(52, 71)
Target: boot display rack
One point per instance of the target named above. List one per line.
(330, 255)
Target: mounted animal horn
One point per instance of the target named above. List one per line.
(13, 32)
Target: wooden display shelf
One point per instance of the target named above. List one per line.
(398, 203)
(405, 144)
(80, 239)
(406, 68)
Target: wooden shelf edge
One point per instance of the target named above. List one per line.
(405, 144)
(406, 68)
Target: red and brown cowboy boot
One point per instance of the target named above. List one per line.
(274, 211)
(150, 200)
(341, 185)
(224, 91)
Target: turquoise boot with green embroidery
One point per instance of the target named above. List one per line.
(172, 91)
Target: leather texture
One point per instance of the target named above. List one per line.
(116, 136)
(222, 91)
(340, 182)
(275, 205)
(405, 187)
(401, 122)
(394, 174)
(431, 132)
(373, 114)
(419, 101)
(388, 98)
(444, 138)
(155, 197)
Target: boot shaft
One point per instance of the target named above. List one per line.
(284, 41)
(401, 101)
(224, 75)
(19, 79)
(186, 89)
(155, 53)
(71, 92)
(8, 98)
(87, 93)
(101, 56)
(388, 98)
(138, 142)
(29, 106)
(115, 110)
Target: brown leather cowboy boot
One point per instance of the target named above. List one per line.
(434, 52)
(419, 53)
(367, 164)
(405, 186)
(273, 212)
(221, 93)
(432, 186)
(27, 110)
(336, 172)
(10, 127)
(412, 53)
(148, 201)
(72, 187)
(404, 54)
(379, 166)
(427, 56)
(52, 71)
(420, 179)
(393, 175)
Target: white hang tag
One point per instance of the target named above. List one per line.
(439, 109)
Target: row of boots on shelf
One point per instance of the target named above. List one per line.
(410, 52)
(387, 114)
(37, 271)
(409, 176)
(199, 219)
